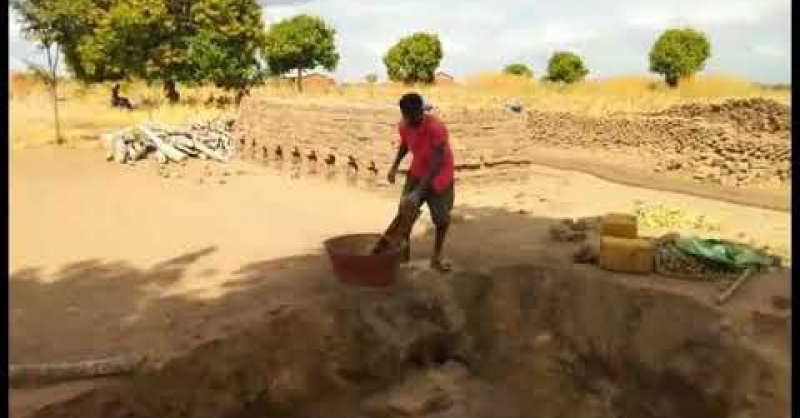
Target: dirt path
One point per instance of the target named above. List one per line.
(626, 170)
(106, 259)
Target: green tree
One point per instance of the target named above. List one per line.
(566, 67)
(52, 25)
(170, 41)
(227, 43)
(301, 43)
(371, 78)
(146, 39)
(679, 53)
(521, 70)
(414, 58)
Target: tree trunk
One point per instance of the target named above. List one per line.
(299, 80)
(59, 138)
(171, 92)
(240, 95)
(52, 64)
(672, 80)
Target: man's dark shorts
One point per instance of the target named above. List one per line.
(439, 204)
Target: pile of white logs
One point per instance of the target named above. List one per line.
(208, 140)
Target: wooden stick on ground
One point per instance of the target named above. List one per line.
(170, 152)
(40, 374)
(725, 295)
(208, 151)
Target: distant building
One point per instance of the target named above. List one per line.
(314, 81)
(442, 78)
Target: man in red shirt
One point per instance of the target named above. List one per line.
(430, 178)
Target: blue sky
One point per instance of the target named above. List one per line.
(751, 38)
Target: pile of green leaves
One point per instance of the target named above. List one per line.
(660, 216)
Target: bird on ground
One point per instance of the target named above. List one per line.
(351, 162)
(373, 168)
(330, 160)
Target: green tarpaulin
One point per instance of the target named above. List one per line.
(724, 254)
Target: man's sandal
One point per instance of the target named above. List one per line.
(442, 266)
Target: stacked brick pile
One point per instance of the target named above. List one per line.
(739, 142)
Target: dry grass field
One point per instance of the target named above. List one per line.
(85, 111)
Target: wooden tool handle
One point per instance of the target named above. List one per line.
(41, 374)
(724, 296)
(398, 230)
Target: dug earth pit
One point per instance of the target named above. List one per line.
(521, 341)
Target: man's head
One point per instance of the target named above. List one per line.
(411, 106)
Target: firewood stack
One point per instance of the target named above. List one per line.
(206, 140)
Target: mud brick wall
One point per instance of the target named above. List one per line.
(370, 134)
(710, 149)
(366, 134)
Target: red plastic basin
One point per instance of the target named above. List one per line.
(353, 264)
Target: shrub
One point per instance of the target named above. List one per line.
(414, 58)
(521, 70)
(301, 43)
(566, 67)
(679, 53)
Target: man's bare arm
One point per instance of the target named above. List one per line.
(401, 153)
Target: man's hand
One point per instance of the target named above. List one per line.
(392, 175)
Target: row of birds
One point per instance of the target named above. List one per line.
(311, 157)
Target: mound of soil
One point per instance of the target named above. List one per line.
(517, 342)
(753, 115)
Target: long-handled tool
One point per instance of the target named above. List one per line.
(399, 229)
(727, 293)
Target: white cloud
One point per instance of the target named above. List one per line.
(19, 49)
(551, 36)
(660, 14)
(702, 14)
(770, 51)
(274, 14)
(454, 47)
(612, 35)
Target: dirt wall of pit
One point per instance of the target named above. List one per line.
(554, 338)
(740, 142)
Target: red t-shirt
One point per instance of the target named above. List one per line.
(421, 141)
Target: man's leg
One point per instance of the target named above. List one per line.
(440, 205)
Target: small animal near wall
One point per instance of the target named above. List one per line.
(311, 162)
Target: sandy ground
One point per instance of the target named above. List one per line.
(107, 259)
(555, 193)
(631, 168)
(70, 206)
